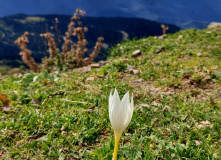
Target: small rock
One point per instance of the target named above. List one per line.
(86, 69)
(187, 57)
(207, 79)
(167, 108)
(180, 37)
(136, 53)
(134, 71)
(199, 54)
(214, 24)
(161, 37)
(154, 103)
(209, 32)
(90, 110)
(198, 142)
(143, 105)
(130, 67)
(102, 63)
(6, 109)
(90, 79)
(15, 92)
(125, 60)
(64, 133)
(95, 65)
(155, 110)
(100, 76)
(138, 80)
(205, 122)
(36, 101)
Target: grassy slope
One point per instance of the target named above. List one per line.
(177, 104)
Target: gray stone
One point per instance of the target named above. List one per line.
(136, 53)
(187, 57)
(214, 24)
(138, 80)
(102, 63)
(86, 69)
(95, 65)
(130, 67)
(199, 54)
(90, 110)
(180, 37)
(134, 71)
(90, 79)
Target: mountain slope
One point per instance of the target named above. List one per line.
(176, 92)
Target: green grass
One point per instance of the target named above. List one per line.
(65, 115)
(4, 69)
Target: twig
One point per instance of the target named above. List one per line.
(67, 100)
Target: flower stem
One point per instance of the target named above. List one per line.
(117, 140)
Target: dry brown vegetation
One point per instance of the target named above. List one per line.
(164, 28)
(73, 55)
(26, 53)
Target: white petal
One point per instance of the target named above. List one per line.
(116, 97)
(125, 104)
(132, 106)
(129, 113)
(115, 103)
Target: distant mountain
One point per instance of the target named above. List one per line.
(114, 30)
(178, 12)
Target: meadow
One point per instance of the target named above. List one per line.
(176, 85)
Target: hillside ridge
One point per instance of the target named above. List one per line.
(12, 27)
(175, 82)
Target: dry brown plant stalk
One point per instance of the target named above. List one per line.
(79, 52)
(26, 53)
(89, 60)
(68, 46)
(51, 44)
(56, 30)
(96, 50)
(79, 49)
(165, 28)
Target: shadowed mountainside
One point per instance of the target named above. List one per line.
(112, 29)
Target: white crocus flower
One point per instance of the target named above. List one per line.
(120, 114)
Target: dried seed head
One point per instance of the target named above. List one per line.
(85, 50)
(85, 29)
(100, 39)
(78, 11)
(25, 53)
(56, 20)
(84, 14)
(84, 41)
